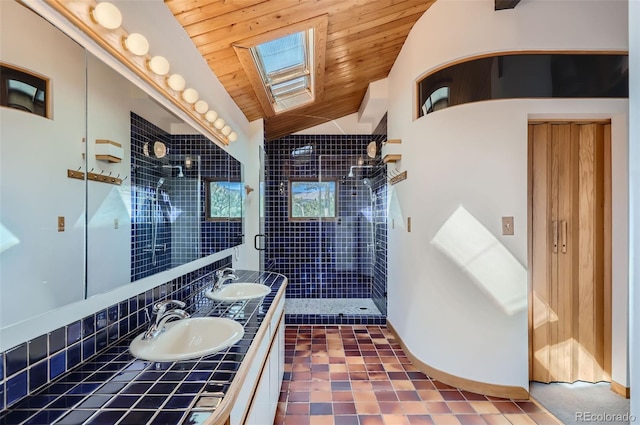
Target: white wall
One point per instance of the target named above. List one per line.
(634, 193)
(475, 156)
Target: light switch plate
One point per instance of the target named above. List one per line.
(60, 224)
(507, 226)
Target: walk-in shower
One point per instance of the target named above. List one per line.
(343, 281)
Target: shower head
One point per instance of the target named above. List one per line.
(160, 182)
(350, 173)
(179, 167)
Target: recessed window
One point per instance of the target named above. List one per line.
(224, 200)
(438, 99)
(286, 67)
(22, 90)
(312, 199)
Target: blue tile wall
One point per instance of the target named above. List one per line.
(34, 364)
(343, 258)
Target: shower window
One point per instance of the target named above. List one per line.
(311, 199)
(224, 200)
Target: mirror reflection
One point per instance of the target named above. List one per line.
(122, 179)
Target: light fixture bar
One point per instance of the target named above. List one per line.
(132, 51)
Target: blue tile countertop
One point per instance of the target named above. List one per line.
(113, 387)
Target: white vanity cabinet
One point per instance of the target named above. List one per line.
(258, 399)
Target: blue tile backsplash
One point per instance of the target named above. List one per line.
(34, 364)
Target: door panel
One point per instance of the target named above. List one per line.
(568, 252)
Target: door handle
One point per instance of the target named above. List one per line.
(256, 245)
(555, 236)
(563, 236)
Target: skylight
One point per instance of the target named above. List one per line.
(285, 67)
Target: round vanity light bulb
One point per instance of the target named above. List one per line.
(201, 107)
(176, 82)
(233, 136)
(190, 95)
(219, 123)
(159, 65)
(137, 44)
(107, 15)
(226, 130)
(211, 116)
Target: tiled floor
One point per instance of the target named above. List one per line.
(359, 375)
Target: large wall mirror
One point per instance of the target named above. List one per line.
(108, 190)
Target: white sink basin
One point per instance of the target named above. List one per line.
(188, 339)
(239, 291)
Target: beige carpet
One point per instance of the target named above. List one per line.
(581, 403)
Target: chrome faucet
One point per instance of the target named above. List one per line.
(222, 276)
(163, 316)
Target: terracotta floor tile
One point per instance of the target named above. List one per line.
(364, 396)
(484, 407)
(495, 420)
(445, 420)
(471, 420)
(342, 396)
(344, 408)
(359, 375)
(321, 420)
(408, 395)
(420, 420)
(391, 408)
(437, 407)
(395, 420)
(371, 420)
(529, 407)
(460, 407)
(367, 407)
(403, 386)
(346, 420)
(297, 409)
(297, 420)
(386, 396)
(320, 408)
(320, 397)
(414, 408)
(507, 407)
(299, 396)
(430, 395)
(520, 419)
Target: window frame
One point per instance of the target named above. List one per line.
(39, 82)
(336, 195)
(207, 190)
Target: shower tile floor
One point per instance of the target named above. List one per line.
(346, 306)
(359, 375)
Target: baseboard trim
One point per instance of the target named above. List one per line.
(620, 389)
(503, 391)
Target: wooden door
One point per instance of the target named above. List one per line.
(570, 298)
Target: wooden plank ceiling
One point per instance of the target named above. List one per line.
(363, 41)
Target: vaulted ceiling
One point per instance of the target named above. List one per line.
(363, 40)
